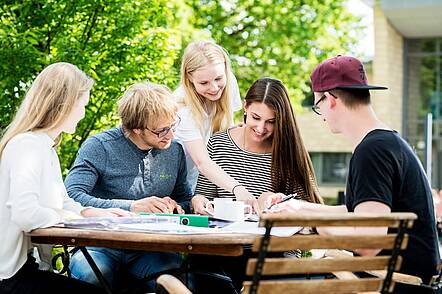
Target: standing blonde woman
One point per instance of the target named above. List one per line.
(32, 194)
(208, 95)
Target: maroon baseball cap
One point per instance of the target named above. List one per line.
(340, 72)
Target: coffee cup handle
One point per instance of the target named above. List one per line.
(206, 207)
(250, 209)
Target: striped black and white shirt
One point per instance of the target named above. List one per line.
(250, 169)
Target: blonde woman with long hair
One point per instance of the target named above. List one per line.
(208, 95)
(32, 194)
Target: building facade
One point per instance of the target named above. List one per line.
(408, 60)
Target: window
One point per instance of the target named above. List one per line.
(331, 167)
(423, 95)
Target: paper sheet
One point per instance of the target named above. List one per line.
(170, 225)
(252, 228)
(114, 223)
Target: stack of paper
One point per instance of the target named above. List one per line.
(116, 223)
(171, 225)
(253, 228)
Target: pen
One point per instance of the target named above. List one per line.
(283, 199)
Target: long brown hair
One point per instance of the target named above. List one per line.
(291, 164)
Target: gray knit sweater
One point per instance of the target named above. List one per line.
(111, 171)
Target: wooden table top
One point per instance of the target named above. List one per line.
(213, 244)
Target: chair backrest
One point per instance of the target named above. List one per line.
(262, 268)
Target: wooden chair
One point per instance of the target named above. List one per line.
(172, 285)
(263, 268)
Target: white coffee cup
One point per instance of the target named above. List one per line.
(225, 208)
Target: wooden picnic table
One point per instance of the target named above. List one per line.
(226, 244)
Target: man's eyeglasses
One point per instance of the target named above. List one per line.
(164, 131)
(316, 108)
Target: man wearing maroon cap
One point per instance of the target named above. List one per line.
(384, 174)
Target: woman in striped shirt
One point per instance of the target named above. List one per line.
(266, 154)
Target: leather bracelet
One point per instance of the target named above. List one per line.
(233, 189)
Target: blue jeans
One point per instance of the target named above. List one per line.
(138, 264)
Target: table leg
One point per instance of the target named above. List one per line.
(96, 270)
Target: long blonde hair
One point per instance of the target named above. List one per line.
(48, 101)
(197, 55)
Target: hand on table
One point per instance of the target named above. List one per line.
(242, 194)
(200, 203)
(156, 205)
(104, 212)
(268, 199)
(173, 205)
(292, 205)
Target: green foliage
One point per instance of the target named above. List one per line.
(284, 39)
(118, 42)
(306, 254)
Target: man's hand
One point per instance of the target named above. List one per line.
(293, 205)
(156, 204)
(153, 204)
(172, 205)
(104, 212)
(200, 203)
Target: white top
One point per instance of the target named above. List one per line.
(32, 195)
(188, 130)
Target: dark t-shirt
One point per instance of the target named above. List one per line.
(383, 168)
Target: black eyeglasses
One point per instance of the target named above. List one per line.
(164, 131)
(316, 108)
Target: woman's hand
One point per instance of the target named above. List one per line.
(242, 194)
(104, 212)
(201, 204)
(268, 199)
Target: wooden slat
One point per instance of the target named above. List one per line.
(350, 242)
(215, 244)
(282, 266)
(213, 249)
(345, 275)
(338, 219)
(398, 277)
(317, 286)
(172, 285)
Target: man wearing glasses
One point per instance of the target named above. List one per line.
(138, 167)
(384, 174)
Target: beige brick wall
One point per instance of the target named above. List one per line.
(317, 136)
(388, 71)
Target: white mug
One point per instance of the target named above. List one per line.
(225, 208)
